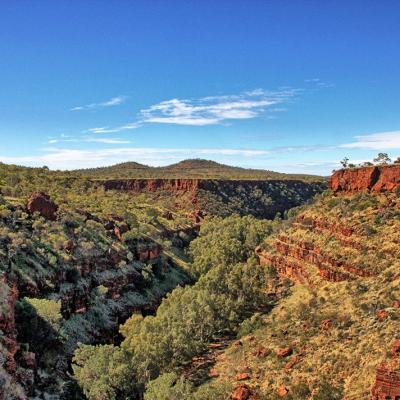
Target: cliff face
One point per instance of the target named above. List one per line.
(374, 179)
(152, 185)
(261, 198)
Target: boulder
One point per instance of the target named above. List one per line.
(284, 352)
(242, 376)
(40, 202)
(282, 391)
(294, 360)
(242, 392)
(261, 352)
(382, 314)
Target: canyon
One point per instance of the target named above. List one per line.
(83, 270)
(223, 197)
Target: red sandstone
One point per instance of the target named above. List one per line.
(284, 352)
(374, 179)
(242, 392)
(40, 202)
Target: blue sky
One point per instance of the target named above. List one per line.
(292, 86)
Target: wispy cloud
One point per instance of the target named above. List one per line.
(87, 139)
(215, 109)
(319, 83)
(114, 101)
(107, 129)
(209, 110)
(376, 141)
(105, 140)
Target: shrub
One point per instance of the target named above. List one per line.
(168, 386)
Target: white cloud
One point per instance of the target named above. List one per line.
(105, 140)
(106, 129)
(114, 101)
(87, 139)
(209, 110)
(214, 109)
(376, 141)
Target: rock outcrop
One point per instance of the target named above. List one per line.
(40, 202)
(387, 382)
(152, 185)
(374, 179)
(297, 260)
(243, 392)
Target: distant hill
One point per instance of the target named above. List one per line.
(192, 168)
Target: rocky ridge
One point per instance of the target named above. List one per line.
(374, 179)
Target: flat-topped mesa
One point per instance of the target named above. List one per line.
(151, 185)
(374, 179)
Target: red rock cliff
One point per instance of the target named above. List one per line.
(376, 178)
(152, 185)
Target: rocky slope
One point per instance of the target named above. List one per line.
(341, 238)
(69, 277)
(335, 334)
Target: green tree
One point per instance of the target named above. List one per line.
(103, 372)
(345, 162)
(382, 158)
(169, 387)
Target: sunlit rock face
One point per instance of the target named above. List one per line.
(374, 179)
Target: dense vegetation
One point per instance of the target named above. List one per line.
(263, 199)
(230, 288)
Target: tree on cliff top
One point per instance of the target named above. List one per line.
(345, 162)
(382, 158)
